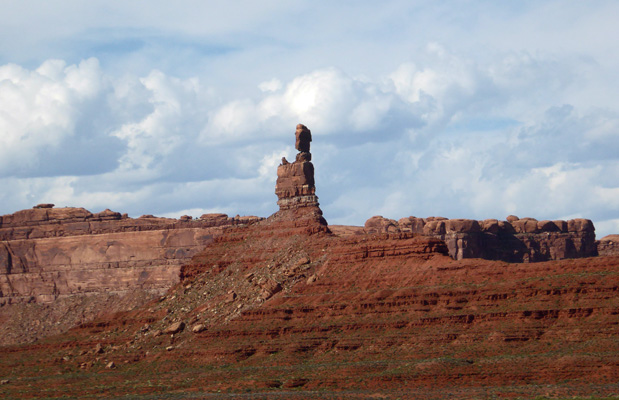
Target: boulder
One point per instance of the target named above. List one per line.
(230, 297)
(303, 138)
(434, 227)
(506, 227)
(269, 288)
(580, 225)
(108, 214)
(411, 224)
(490, 226)
(214, 217)
(525, 225)
(547, 226)
(462, 225)
(175, 327)
(44, 205)
(608, 246)
(379, 224)
(561, 225)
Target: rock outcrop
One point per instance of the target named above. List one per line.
(57, 255)
(296, 191)
(285, 303)
(46, 222)
(295, 181)
(386, 313)
(608, 245)
(346, 317)
(47, 253)
(513, 240)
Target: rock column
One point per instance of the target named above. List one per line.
(295, 181)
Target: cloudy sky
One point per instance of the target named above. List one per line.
(461, 109)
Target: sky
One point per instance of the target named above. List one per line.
(461, 109)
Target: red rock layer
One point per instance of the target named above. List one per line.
(48, 252)
(514, 240)
(295, 185)
(48, 222)
(608, 245)
(48, 255)
(295, 182)
(284, 225)
(286, 309)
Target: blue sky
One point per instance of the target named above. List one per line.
(463, 109)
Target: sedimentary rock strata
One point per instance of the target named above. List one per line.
(513, 240)
(295, 181)
(44, 222)
(54, 255)
(385, 313)
(608, 246)
(46, 252)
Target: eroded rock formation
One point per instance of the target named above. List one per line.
(295, 181)
(47, 253)
(381, 310)
(371, 313)
(61, 255)
(295, 188)
(513, 240)
(608, 246)
(46, 222)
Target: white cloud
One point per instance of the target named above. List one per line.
(272, 85)
(230, 122)
(416, 107)
(160, 132)
(459, 169)
(41, 109)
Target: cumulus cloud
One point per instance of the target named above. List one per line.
(335, 105)
(164, 130)
(272, 85)
(195, 117)
(43, 109)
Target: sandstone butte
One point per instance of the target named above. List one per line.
(105, 306)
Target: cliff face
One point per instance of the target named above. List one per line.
(42, 270)
(64, 266)
(48, 253)
(513, 240)
(45, 221)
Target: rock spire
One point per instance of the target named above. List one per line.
(295, 181)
